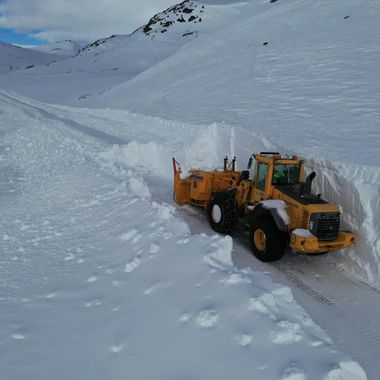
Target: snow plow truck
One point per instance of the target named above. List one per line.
(275, 202)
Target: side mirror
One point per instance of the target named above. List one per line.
(250, 162)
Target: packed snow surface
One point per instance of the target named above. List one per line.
(99, 277)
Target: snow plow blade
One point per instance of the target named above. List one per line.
(181, 191)
(199, 185)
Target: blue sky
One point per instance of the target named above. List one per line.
(34, 22)
(12, 37)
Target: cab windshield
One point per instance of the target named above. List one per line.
(286, 174)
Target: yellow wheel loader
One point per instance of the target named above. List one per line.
(276, 203)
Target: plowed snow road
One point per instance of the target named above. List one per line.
(346, 307)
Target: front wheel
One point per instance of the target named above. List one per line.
(222, 213)
(268, 243)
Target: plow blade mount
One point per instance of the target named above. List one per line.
(181, 191)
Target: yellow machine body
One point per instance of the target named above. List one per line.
(199, 186)
(311, 244)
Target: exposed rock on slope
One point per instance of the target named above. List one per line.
(185, 12)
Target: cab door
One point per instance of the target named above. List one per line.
(261, 180)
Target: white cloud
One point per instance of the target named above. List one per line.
(78, 19)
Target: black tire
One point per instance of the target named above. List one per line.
(274, 242)
(222, 213)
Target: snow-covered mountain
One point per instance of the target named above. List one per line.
(66, 48)
(13, 58)
(108, 62)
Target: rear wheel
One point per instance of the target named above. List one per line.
(268, 243)
(222, 213)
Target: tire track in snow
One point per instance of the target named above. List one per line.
(348, 310)
(309, 291)
(348, 272)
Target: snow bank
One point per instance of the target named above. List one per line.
(149, 158)
(354, 188)
(357, 190)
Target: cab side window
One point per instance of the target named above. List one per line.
(261, 176)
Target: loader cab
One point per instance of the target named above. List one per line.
(272, 170)
(261, 181)
(286, 173)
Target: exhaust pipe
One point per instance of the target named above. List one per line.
(308, 182)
